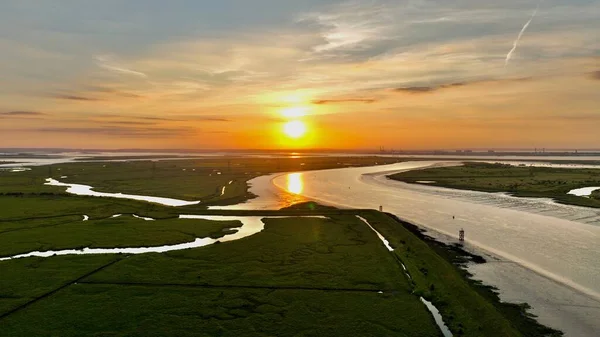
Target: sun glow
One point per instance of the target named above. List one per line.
(295, 184)
(294, 112)
(294, 129)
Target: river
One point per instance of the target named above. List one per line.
(540, 252)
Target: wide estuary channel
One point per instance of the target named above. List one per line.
(538, 251)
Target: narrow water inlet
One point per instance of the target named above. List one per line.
(385, 242)
(142, 217)
(87, 190)
(434, 311)
(437, 317)
(583, 192)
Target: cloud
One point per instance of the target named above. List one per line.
(342, 101)
(348, 28)
(416, 90)
(22, 113)
(188, 118)
(121, 131)
(157, 119)
(106, 63)
(430, 89)
(115, 92)
(581, 116)
(130, 123)
(77, 98)
(124, 119)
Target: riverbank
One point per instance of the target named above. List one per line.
(518, 314)
(530, 234)
(519, 181)
(213, 180)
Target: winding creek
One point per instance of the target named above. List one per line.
(79, 189)
(432, 309)
(250, 225)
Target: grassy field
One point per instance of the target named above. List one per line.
(522, 181)
(190, 311)
(32, 206)
(71, 232)
(299, 277)
(315, 277)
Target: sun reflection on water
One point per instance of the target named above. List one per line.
(295, 184)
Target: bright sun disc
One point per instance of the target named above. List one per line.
(294, 129)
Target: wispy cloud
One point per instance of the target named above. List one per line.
(343, 101)
(430, 89)
(349, 26)
(133, 132)
(129, 123)
(204, 118)
(115, 92)
(106, 63)
(422, 90)
(416, 90)
(76, 98)
(171, 118)
(22, 113)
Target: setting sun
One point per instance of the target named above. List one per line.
(294, 129)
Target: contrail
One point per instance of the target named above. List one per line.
(103, 63)
(122, 70)
(516, 43)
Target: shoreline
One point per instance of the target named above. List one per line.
(562, 198)
(518, 313)
(579, 307)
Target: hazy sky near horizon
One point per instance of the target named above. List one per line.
(365, 73)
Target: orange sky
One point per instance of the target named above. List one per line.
(357, 77)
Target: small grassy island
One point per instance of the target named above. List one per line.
(520, 181)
